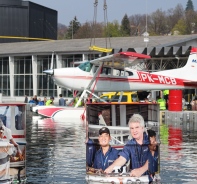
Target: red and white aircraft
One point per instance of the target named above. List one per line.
(112, 73)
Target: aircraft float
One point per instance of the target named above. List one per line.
(113, 73)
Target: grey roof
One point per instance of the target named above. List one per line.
(82, 45)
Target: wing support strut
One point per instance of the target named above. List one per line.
(87, 89)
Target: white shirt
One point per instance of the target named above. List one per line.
(7, 132)
(6, 149)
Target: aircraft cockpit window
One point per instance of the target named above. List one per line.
(118, 72)
(106, 71)
(86, 66)
(129, 73)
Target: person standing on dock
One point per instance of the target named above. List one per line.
(50, 101)
(165, 96)
(136, 150)
(61, 100)
(26, 99)
(162, 103)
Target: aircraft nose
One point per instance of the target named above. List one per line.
(49, 72)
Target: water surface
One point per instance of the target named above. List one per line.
(56, 153)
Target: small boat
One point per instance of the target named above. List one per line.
(37, 107)
(115, 117)
(13, 116)
(62, 112)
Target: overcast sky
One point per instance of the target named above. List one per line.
(116, 9)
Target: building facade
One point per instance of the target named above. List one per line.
(23, 75)
(26, 21)
(22, 63)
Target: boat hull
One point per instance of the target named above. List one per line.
(115, 179)
(60, 113)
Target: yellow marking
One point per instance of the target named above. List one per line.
(100, 49)
(26, 38)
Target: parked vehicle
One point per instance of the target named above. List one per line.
(126, 97)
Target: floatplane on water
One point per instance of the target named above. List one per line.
(112, 73)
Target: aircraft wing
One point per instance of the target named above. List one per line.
(120, 59)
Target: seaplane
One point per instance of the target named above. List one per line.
(114, 73)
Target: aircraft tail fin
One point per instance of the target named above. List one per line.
(188, 72)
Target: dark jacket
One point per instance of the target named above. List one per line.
(137, 154)
(90, 152)
(102, 161)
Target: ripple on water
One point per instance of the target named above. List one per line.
(56, 154)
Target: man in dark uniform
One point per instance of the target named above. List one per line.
(106, 155)
(153, 157)
(136, 150)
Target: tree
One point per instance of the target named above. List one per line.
(125, 26)
(62, 30)
(86, 31)
(158, 23)
(173, 16)
(191, 21)
(189, 6)
(138, 24)
(113, 29)
(73, 28)
(180, 28)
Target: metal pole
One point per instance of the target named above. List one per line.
(72, 29)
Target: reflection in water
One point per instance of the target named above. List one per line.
(56, 152)
(178, 153)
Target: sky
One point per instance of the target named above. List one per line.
(116, 9)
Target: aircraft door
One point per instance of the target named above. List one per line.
(104, 82)
(117, 79)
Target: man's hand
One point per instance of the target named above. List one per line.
(139, 171)
(108, 170)
(136, 172)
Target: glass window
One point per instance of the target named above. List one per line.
(106, 71)
(22, 65)
(1, 66)
(93, 56)
(5, 85)
(23, 85)
(29, 92)
(44, 63)
(105, 98)
(69, 60)
(116, 98)
(86, 66)
(28, 82)
(4, 66)
(19, 118)
(28, 66)
(134, 97)
(46, 86)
